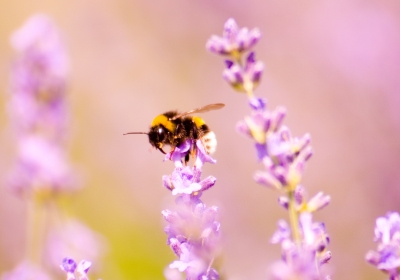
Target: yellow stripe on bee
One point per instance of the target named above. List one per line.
(163, 120)
(198, 121)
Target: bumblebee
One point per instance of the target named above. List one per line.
(173, 128)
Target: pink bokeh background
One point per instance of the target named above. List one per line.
(334, 65)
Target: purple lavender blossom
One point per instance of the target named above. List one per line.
(69, 266)
(82, 269)
(234, 40)
(244, 79)
(298, 264)
(314, 241)
(387, 256)
(193, 231)
(179, 152)
(37, 173)
(301, 261)
(186, 181)
(38, 80)
(283, 156)
(38, 109)
(317, 202)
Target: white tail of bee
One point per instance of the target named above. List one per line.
(209, 141)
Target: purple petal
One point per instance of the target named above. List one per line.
(299, 194)
(267, 179)
(175, 246)
(208, 183)
(83, 267)
(284, 202)
(169, 216)
(258, 103)
(229, 63)
(167, 182)
(318, 202)
(230, 29)
(283, 232)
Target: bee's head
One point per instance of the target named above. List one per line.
(158, 137)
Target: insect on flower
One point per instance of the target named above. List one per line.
(173, 128)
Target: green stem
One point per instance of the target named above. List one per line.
(236, 56)
(294, 219)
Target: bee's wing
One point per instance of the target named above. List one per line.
(210, 107)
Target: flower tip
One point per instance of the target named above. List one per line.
(251, 58)
(229, 63)
(30, 31)
(84, 266)
(257, 103)
(266, 179)
(284, 202)
(256, 34)
(372, 257)
(68, 265)
(325, 258)
(230, 24)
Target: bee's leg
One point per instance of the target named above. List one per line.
(176, 136)
(193, 151)
(187, 158)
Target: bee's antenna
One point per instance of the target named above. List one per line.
(135, 133)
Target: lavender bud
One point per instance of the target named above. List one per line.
(83, 268)
(284, 202)
(234, 40)
(68, 265)
(299, 194)
(257, 103)
(318, 202)
(266, 179)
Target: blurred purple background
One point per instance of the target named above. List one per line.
(333, 64)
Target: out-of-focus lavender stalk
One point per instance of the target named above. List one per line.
(39, 117)
(193, 231)
(284, 157)
(387, 256)
(38, 114)
(38, 110)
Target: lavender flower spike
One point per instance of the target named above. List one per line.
(193, 230)
(387, 256)
(38, 109)
(284, 159)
